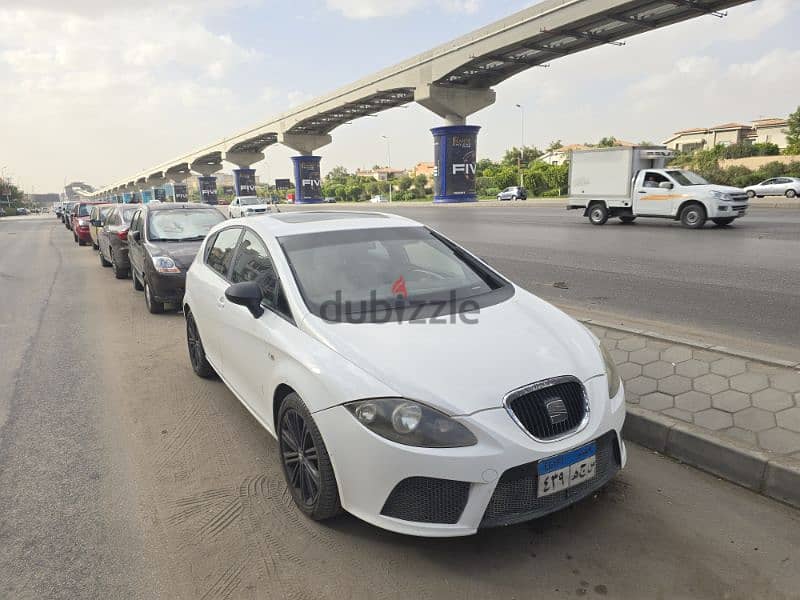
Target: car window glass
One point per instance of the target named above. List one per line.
(182, 224)
(253, 263)
(127, 214)
(220, 254)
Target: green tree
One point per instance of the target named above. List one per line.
(512, 156)
(337, 174)
(793, 133)
(554, 145)
(607, 142)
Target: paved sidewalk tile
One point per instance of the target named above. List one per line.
(753, 402)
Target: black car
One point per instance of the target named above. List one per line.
(70, 209)
(112, 237)
(162, 242)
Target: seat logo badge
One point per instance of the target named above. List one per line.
(556, 410)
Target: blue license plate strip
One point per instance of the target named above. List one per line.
(561, 461)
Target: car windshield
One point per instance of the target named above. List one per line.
(181, 225)
(687, 178)
(84, 210)
(250, 201)
(369, 270)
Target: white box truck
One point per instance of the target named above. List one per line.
(633, 181)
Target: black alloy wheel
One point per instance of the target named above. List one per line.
(197, 354)
(305, 461)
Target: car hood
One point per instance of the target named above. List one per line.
(725, 189)
(462, 368)
(182, 253)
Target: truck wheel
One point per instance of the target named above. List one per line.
(791, 193)
(598, 214)
(724, 222)
(693, 216)
(627, 219)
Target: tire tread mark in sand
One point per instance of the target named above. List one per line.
(221, 520)
(194, 505)
(184, 432)
(227, 583)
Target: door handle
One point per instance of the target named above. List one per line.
(642, 192)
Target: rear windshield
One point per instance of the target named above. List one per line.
(181, 225)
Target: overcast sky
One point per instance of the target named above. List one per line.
(98, 90)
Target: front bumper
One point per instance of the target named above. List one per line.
(167, 287)
(495, 479)
(730, 210)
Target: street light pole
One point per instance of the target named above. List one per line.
(388, 164)
(522, 145)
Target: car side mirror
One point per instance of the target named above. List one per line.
(246, 294)
(666, 185)
(137, 236)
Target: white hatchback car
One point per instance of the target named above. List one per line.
(405, 380)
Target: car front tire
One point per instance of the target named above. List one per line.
(305, 461)
(751, 194)
(153, 306)
(693, 216)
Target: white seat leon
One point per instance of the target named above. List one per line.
(406, 381)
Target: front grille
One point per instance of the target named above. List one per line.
(515, 497)
(529, 406)
(740, 197)
(427, 500)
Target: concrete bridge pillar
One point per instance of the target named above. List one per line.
(207, 181)
(307, 171)
(244, 178)
(455, 144)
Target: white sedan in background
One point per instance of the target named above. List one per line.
(777, 186)
(406, 381)
(248, 206)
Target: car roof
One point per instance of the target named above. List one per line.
(178, 206)
(317, 221)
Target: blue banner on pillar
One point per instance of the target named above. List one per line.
(455, 156)
(147, 196)
(208, 189)
(127, 197)
(180, 192)
(307, 179)
(244, 182)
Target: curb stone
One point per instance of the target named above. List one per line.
(772, 476)
(777, 478)
(778, 362)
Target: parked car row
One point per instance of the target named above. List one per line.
(405, 380)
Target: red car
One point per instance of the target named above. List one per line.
(80, 223)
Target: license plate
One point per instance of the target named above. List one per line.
(566, 470)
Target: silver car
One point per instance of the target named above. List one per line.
(777, 186)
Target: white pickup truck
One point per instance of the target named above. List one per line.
(631, 182)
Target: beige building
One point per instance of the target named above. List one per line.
(382, 174)
(561, 155)
(762, 131)
(424, 168)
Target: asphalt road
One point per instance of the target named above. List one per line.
(122, 475)
(741, 281)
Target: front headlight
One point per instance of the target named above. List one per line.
(164, 264)
(612, 375)
(411, 423)
(722, 196)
